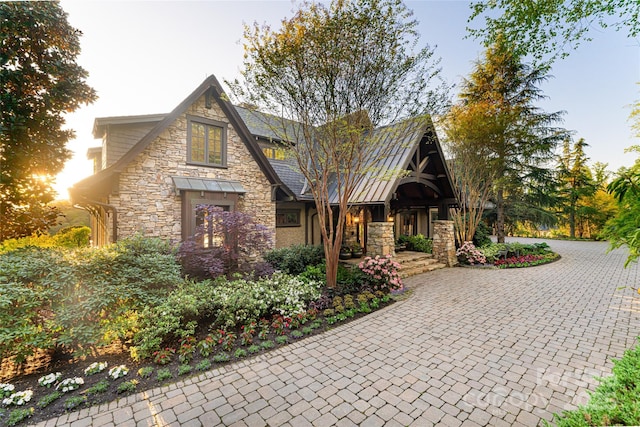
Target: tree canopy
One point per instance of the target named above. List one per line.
(516, 138)
(40, 81)
(338, 71)
(547, 29)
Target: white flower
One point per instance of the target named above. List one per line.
(70, 384)
(19, 398)
(95, 367)
(6, 389)
(118, 372)
(48, 380)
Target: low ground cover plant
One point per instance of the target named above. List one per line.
(417, 243)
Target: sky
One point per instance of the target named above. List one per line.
(145, 57)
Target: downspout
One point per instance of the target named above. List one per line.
(106, 207)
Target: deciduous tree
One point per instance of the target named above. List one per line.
(40, 82)
(338, 71)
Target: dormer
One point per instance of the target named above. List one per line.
(120, 133)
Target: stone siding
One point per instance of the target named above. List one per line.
(380, 239)
(444, 243)
(147, 201)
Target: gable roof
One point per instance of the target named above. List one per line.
(209, 87)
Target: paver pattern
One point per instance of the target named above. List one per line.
(469, 347)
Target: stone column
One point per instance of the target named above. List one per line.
(444, 243)
(380, 239)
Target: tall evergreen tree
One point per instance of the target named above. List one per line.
(40, 82)
(519, 137)
(576, 183)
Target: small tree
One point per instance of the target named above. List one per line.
(338, 72)
(224, 243)
(471, 174)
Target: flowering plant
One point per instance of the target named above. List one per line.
(19, 398)
(162, 357)
(187, 349)
(6, 389)
(469, 254)
(95, 367)
(382, 273)
(118, 372)
(50, 379)
(70, 384)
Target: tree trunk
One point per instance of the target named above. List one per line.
(332, 258)
(572, 220)
(500, 214)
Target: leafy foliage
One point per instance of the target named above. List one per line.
(225, 243)
(51, 297)
(226, 304)
(418, 243)
(624, 228)
(615, 400)
(294, 259)
(41, 82)
(546, 29)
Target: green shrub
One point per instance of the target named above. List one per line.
(33, 281)
(228, 303)
(417, 243)
(482, 236)
(294, 259)
(615, 400)
(76, 236)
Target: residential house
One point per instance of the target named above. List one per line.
(152, 171)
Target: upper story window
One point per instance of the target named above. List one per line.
(273, 153)
(207, 142)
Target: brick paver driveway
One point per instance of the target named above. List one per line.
(469, 347)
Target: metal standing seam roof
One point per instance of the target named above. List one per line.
(402, 137)
(205, 184)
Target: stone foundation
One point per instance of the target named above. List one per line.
(380, 239)
(444, 243)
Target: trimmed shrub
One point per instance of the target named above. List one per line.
(295, 259)
(482, 236)
(417, 243)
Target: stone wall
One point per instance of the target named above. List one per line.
(147, 201)
(380, 240)
(444, 243)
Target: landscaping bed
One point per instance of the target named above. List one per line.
(170, 366)
(96, 324)
(505, 255)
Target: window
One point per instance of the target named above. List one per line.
(192, 199)
(273, 153)
(206, 142)
(288, 218)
